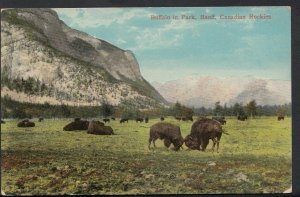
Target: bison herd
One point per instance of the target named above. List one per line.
(202, 130)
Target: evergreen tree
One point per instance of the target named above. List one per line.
(251, 108)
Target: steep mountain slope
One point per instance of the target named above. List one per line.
(42, 59)
(205, 91)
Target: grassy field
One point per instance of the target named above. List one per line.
(254, 158)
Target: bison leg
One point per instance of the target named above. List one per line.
(214, 144)
(150, 140)
(204, 144)
(154, 142)
(218, 141)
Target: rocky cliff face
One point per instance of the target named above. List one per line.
(47, 58)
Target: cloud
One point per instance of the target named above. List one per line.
(95, 17)
(169, 35)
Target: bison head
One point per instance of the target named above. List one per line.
(192, 142)
(177, 142)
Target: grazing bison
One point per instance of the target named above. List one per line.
(220, 119)
(41, 119)
(26, 123)
(162, 118)
(2, 122)
(201, 132)
(99, 129)
(77, 125)
(168, 132)
(124, 120)
(106, 120)
(139, 120)
(242, 117)
(146, 119)
(113, 118)
(280, 118)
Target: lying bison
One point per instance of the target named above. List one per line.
(139, 119)
(168, 132)
(77, 125)
(201, 132)
(124, 120)
(187, 118)
(95, 127)
(178, 118)
(280, 118)
(242, 117)
(220, 119)
(26, 123)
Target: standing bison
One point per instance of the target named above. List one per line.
(220, 119)
(139, 119)
(242, 117)
(280, 118)
(146, 119)
(77, 125)
(124, 120)
(95, 127)
(168, 132)
(162, 118)
(106, 120)
(201, 132)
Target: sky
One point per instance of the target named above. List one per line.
(172, 49)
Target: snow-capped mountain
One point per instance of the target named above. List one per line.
(205, 91)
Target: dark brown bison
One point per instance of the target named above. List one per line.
(242, 117)
(106, 120)
(113, 118)
(41, 119)
(2, 122)
(77, 125)
(187, 118)
(146, 119)
(178, 118)
(280, 118)
(162, 118)
(139, 119)
(124, 120)
(26, 123)
(201, 132)
(99, 129)
(220, 119)
(168, 132)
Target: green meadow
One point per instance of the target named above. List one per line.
(254, 158)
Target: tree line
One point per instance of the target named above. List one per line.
(14, 109)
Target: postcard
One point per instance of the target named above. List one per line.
(146, 100)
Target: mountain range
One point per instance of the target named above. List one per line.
(199, 91)
(44, 60)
